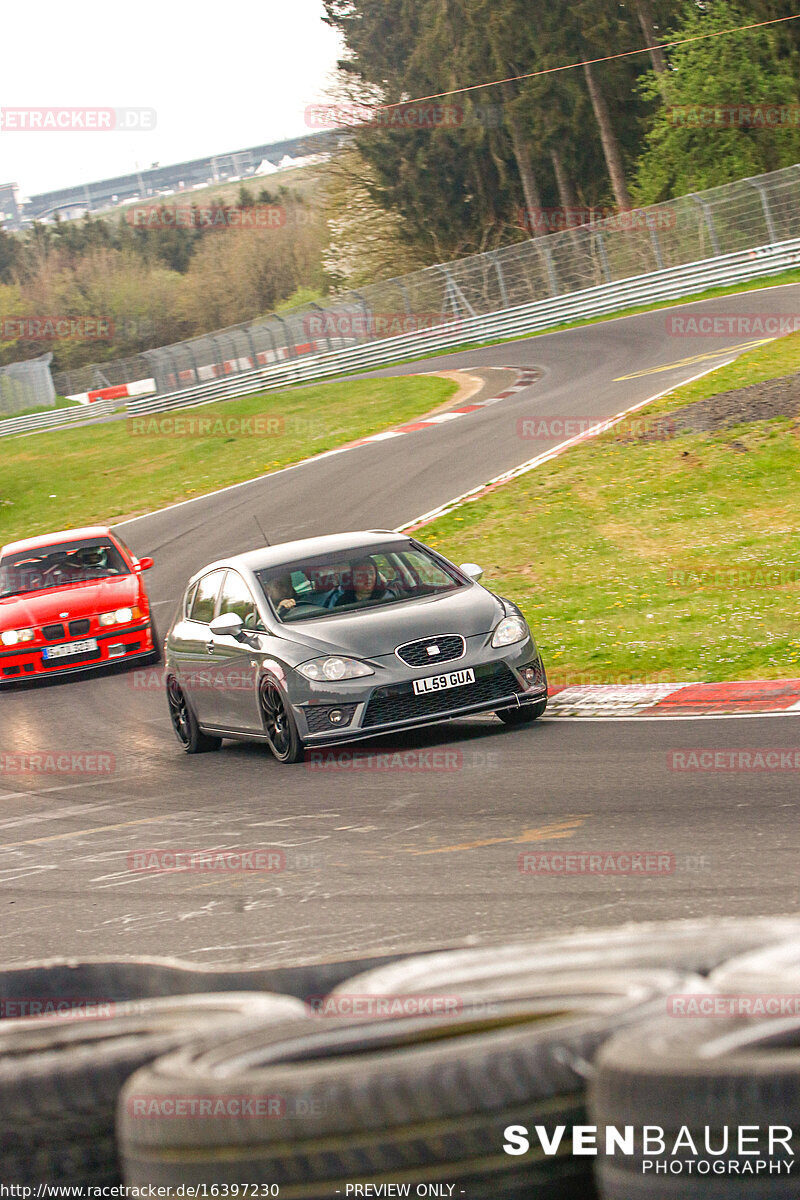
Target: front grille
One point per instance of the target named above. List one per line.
(80, 628)
(415, 654)
(317, 717)
(399, 702)
(53, 633)
(84, 656)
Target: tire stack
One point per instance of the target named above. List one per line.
(698, 1078)
(414, 1071)
(416, 1100)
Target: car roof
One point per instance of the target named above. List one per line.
(53, 539)
(296, 551)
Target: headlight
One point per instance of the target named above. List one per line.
(330, 670)
(120, 616)
(509, 631)
(12, 637)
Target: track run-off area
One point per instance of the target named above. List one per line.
(446, 847)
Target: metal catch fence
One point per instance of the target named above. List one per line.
(27, 385)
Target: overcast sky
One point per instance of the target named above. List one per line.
(221, 76)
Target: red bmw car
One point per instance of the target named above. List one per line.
(71, 601)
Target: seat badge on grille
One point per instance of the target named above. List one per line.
(433, 651)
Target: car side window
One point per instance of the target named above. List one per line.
(189, 599)
(205, 598)
(237, 598)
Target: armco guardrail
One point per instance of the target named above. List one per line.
(59, 418)
(590, 250)
(529, 318)
(657, 286)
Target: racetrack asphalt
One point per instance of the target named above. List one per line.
(428, 852)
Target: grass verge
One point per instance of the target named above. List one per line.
(654, 561)
(104, 472)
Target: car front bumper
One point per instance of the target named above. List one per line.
(118, 645)
(392, 706)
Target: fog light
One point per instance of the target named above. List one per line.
(336, 716)
(531, 677)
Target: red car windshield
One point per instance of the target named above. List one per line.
(59, 566)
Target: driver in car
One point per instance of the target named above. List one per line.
(92, 558)
(281, 593)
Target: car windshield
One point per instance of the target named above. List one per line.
(359, 579)
(59, 566)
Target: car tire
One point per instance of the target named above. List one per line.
(774, 970)
(128, 979)
(694, 946)
(526, 714)
(697, 1074)
(60, 1077)
(279, 724)
(184, 722)
(417, 1098)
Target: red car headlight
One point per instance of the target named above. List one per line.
(120, 616)
(13, 637)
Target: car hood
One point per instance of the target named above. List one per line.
(77, 599)
(372, 633)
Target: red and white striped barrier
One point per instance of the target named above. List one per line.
(234, 366)
(142, 387)
(756, 697)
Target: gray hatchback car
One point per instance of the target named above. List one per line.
(335, 639)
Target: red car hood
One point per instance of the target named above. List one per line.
(77, 599)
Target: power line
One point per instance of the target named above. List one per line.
(589, 62)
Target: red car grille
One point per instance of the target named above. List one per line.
(79, 628)
(53, 633)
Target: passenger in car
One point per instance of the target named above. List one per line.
(365, 584)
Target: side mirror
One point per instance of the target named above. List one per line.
(145, 564)
(474, 572)
(227, 625)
